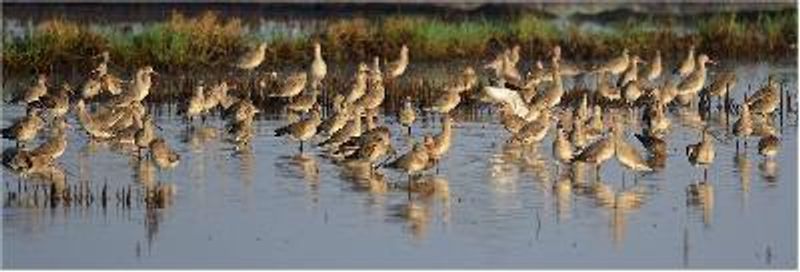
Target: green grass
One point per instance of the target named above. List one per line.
(211, 41)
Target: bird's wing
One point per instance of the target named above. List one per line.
(509, 97)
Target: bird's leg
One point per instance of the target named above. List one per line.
(737, 146)
(623, 179)
(409, 130)
(408, 186)
(597, 173)
(301, 147)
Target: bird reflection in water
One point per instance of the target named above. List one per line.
(144, 171)
(769, 170)
(691, 117)
(562, 190)
(198, 138)
(619, 203)
(743, 168)
(157, 199)
(425, 193)
(365, 178)
(533, 162)
(246, 159)
(701, 196)
(303, 166)
(503, 168)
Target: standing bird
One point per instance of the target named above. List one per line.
(55, 146)
(465, 81)
(302, 130)
(25, 129)
(102, 67)
(57, 103)
(535, 131)
(440, 143)
(376, 91)
(396, 68)
(605, 90)
(304, 102)
(578, 135)
(562, 147)
(769, 145)
(359, 86)
(656, 120)
(511, 122)
(743, 127)
(370, 151)
(616, 65)
(318, 67)
(163, 155)
(628, 156)
(138, 89)
(565, 68)
(351, 130)
(631, 73)
(766, 100)
(723, 83)
(504, 69)
(513, 55)
(693, 83)
(702, 154)
(446, 102)
(242, 132)
(33, 93)
(145, 135)
(598, 152)
(631, 92)
(668, 91)
(687, 66)
(653, 71)
(291, 86)
(91, 87)
(657, 148)
(582, 112)
(252, 58)
(412, 162)
(196, 107)
(552, 96)
(96, 127)
(407, 114)
(335, 122)
(377, 134)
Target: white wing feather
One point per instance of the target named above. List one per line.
(510, 97)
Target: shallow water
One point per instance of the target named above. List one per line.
(493, 205)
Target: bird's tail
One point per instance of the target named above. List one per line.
(282, 131)
(6, 132)
(644, 139)
(324, 143)
(37, 104)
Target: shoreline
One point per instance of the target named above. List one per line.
(211, 40)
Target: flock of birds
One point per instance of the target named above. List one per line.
(589, 124)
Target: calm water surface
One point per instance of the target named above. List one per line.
(493, 206)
